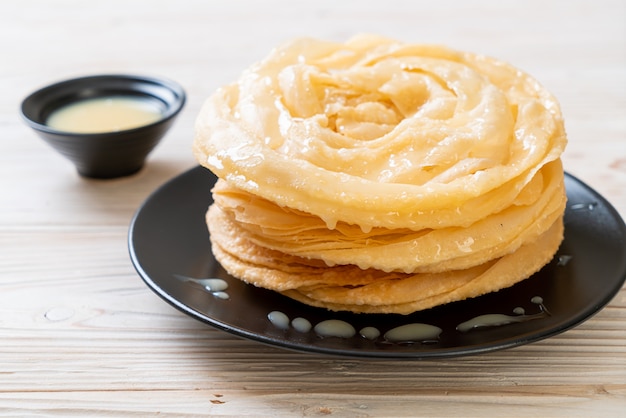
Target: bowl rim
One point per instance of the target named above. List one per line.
(173, 107)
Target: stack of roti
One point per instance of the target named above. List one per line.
(376, 176)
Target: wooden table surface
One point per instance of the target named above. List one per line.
(80, 333)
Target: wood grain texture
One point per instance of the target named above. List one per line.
(81, 335)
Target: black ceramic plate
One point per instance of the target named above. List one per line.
(169, 244)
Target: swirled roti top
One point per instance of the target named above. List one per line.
(379, 133)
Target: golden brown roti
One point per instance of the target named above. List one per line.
(380, 176)
(371, 291)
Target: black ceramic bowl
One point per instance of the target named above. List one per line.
(107, 154)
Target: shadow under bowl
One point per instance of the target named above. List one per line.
(106, 154)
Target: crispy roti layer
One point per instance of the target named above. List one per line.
(379, 176)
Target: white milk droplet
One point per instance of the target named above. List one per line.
(279, 319)
(334, 328)
(301, 324)
(412, 333)
(370, 333)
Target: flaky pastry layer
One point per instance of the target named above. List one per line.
(296, 233)
(350, 288)
(380, 176)
(379, 133)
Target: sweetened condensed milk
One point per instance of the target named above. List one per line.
(105, 114)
